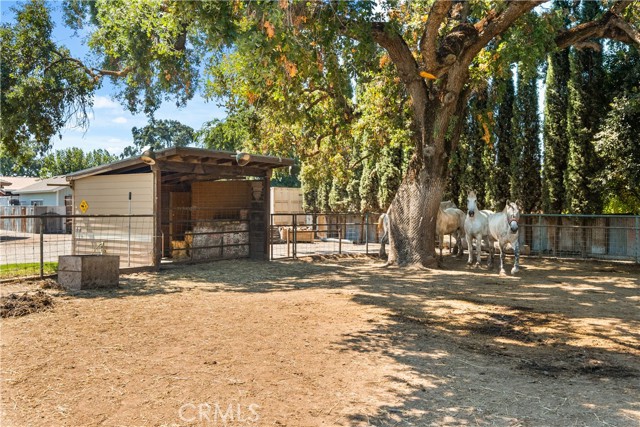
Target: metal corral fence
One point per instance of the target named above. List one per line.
(610, 237)
(298, 235)
(31, 244)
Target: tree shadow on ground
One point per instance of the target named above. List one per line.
(559, 328)
(567, 336)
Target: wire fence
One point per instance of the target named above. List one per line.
(31, 244)
(609, 237)
(298, 235)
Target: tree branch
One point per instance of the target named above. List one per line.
(405, 63)
(496, 23)
(95, 73)
(610, 26)
(428, 41)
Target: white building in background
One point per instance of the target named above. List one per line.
(47, 192)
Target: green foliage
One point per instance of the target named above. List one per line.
(587, 106)
(555, 132)
(42, 89)
(23, 163)
(160, 134)
(305, 80)
(368, 188)
(617, 145)
(583, 195)
(231, 134)
(473, 142)
(63, 162)
(525, 164)
(504, 143)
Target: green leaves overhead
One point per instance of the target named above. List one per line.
(160, 134)
(42, 87)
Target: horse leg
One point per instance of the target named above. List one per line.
(491, 251)
(440, 239)
(516, 252)
(459, 243)
(478, 250)
(470, 248)
(453, 249)
(383, 242)
(503, 246)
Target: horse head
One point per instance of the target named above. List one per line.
(471, 203)
(512, 213)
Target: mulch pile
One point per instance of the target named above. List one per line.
(14, 305)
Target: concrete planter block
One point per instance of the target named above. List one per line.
(77, 272)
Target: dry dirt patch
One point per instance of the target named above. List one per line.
(332, 342)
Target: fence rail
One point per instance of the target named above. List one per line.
(610, 237)
(30, 246)
(35, 250)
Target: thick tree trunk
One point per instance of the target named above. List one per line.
(414, 209)
(412, 220)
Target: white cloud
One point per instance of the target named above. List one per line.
(120, 120)
(102, 102)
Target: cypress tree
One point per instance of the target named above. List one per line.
(581, 195)
(556, 145)
(390, 172)
(338, 195)
(555, 141)
(472, 146)
(586, 107)
(455, 186)
(504, 143)
(525, 162)
(369, 187)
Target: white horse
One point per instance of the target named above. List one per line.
(476, 225)
(449, 221)
(383, 227)
(503, 228)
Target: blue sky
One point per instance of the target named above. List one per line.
(110, 124)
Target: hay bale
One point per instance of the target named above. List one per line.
(179, 249)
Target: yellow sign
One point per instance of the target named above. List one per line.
(84, 206)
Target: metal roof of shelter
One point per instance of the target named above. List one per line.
(180, 161)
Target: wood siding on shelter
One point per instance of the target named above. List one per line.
(109, 194)
(226, 198)
(130, 238)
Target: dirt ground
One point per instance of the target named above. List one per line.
(332, 342)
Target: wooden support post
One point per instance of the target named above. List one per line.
(157, 216)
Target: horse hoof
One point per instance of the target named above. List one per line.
(514, 270)
(477, 265)
(503, 273)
